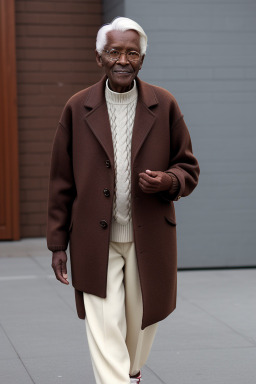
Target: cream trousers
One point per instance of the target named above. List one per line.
(118, 346)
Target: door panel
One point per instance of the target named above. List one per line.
(9, 179)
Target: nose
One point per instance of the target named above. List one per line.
(123, 59)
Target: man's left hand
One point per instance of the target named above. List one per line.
(154, 181)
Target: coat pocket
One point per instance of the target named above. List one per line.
(170, 220)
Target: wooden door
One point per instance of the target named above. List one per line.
(9, 178)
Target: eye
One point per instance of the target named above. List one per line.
(114, 53)
(133, 55)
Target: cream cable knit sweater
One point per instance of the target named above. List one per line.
(121, 111)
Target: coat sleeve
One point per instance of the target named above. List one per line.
(183, 163)
(62, 190)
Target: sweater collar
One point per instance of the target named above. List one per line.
(96, 94)
(121, 98)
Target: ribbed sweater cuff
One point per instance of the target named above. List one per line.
(175, 184)
(121, 233)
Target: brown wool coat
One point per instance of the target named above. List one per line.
(82, 166)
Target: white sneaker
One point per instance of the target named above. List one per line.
(135, 380)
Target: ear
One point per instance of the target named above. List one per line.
(141, 62)
(98, 59)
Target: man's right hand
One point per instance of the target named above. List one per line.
(59, 265)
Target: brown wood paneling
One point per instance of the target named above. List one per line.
(75, 2)
(47, 89)
(27, 111)
(9, 179)
(55, 59)
(36, 125)
(55, 53)
(57, 19)
(60, 7)
(42, 100)
(32, 135)
(50, 78)
(30, 183)
(54, 66)
(57, 30)
(58, 42)
(31, 147)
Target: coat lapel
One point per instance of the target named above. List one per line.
(97, 117)
(98, 120)
(144, 118)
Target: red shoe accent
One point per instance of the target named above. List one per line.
(136, 379)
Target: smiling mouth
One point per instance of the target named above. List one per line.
(125, 72)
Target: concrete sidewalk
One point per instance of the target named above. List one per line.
(209, 339)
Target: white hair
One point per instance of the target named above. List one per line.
(120, 24)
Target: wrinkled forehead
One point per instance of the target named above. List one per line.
(123, 39)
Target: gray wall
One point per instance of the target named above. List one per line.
(112, 9)
(204, 53)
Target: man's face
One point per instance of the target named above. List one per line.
(122, 72)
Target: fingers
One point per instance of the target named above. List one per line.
(154, 181)
(146, 186)
(64, 269)
(149, 181)
(152, 173)
(59, 274)
(59, 265)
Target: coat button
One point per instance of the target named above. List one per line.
(107, 163)
(103, 224)
(106, 192)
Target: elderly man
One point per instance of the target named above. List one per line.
(121, 155)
